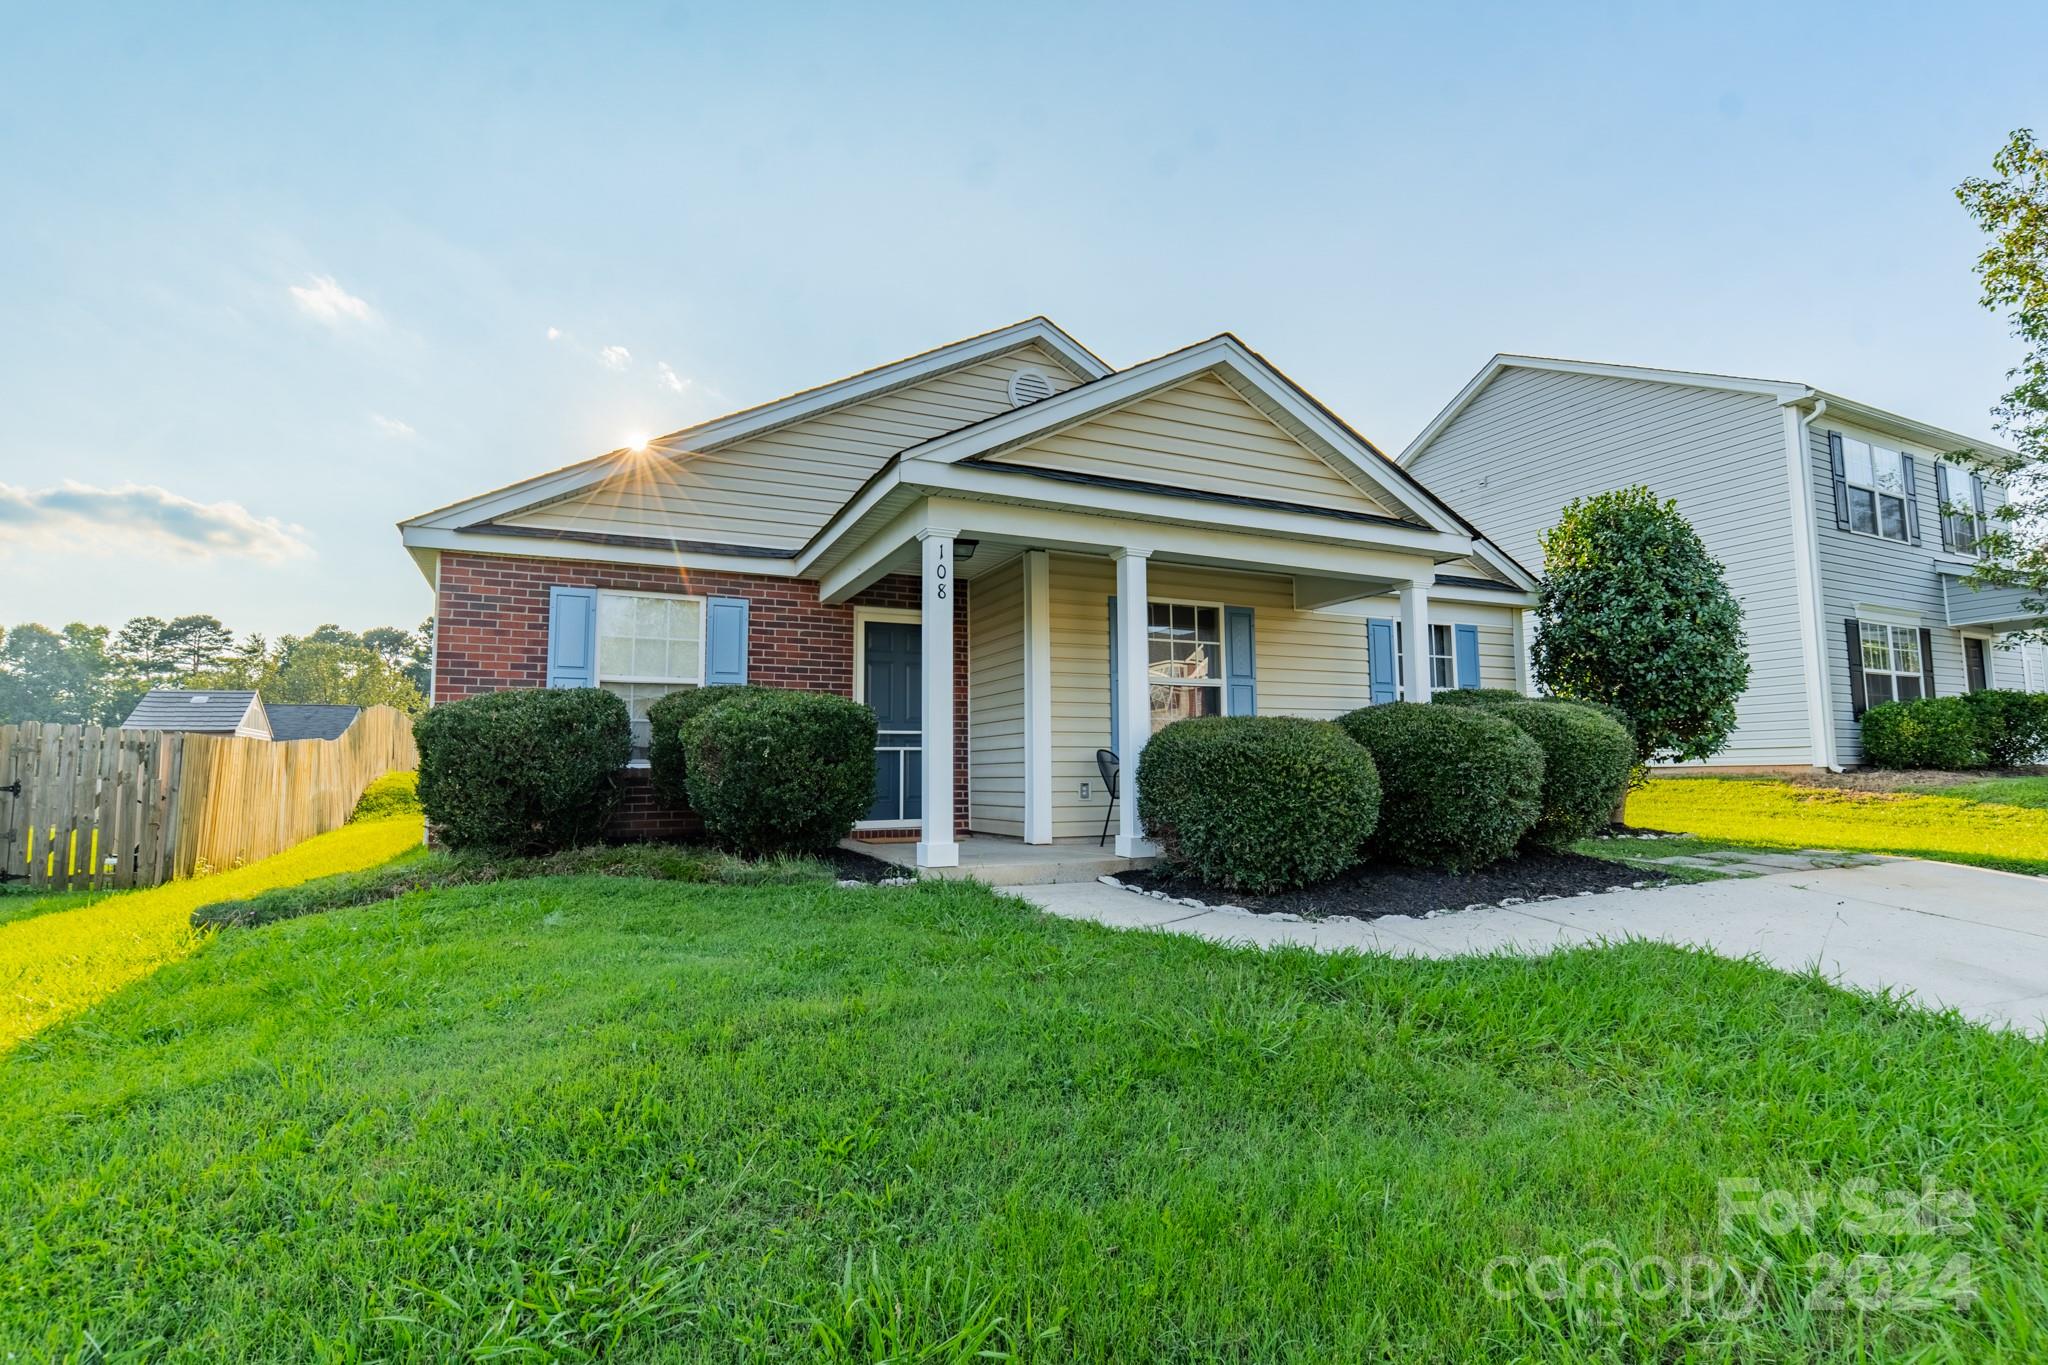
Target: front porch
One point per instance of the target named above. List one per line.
(1001, 861)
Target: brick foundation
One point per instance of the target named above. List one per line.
(492, 634)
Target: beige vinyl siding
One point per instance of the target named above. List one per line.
(1199, 435)
(995, 702)
(1309, 664)
(1533, 440)
(776, 489)
(1496, 631)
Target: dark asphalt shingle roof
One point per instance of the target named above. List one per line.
(308, 720)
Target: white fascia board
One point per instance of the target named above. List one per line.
(1939, 439)
(1503, 562)
(418, 538)
(796, 407)
(1166, 509)
(1454, 592)
(1049, 415)
(870, 561)
(1779, 390)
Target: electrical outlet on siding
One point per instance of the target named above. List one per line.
(1084, 791)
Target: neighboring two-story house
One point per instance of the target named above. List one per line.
(1828, 515)
(1014, 553)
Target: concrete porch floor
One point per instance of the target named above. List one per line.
(1010, 862)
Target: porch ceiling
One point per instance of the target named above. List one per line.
(1997, 609)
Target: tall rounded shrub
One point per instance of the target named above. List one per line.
(1258, 803)
(1475, 696)
(523, 772)
(1634, 613)
(1459, 786)
(780, 772)
(2012, 727)
(1934, 732)
(1587, 759)
(665, 721)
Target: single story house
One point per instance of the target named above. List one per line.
(239, 713)
(1015, 553)
(1846, 534)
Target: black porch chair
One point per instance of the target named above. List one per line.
(1105, 762)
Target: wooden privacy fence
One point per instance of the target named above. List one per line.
(87, 807)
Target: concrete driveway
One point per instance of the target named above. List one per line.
(1951, 936)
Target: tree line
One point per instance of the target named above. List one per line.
(93, 675)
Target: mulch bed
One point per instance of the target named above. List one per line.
(859, 867)
(1890, 780)
(1373, 890)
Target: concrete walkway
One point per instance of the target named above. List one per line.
(1951, 936)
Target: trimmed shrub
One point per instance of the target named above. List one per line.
(780, 772)
(665, 720)
(396, 793)
(1459, 786)
(1587, 761)
(1934, 732)
(523, 772)
(1476, 696)
(2012, 727)
(1258, 803)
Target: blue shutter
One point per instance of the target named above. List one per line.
(1112, 674)
(1468, 655)
(1381, 660)
(572, 637)
(1241, 677)
(725, 641)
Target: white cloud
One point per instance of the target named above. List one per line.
(128, 517)
(554, 334)
(325, 300)
(615, 357)
(391, 428)
(670, 380)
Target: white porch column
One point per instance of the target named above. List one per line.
(937, 847)
(1415, 641)
(1037, 698)
(1133, 700)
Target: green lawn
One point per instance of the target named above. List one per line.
(583, 1117)
(2000, 823)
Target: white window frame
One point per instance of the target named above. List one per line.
(1961, 479)
(1871, 628)
(1443, 679)
(601, 678)
(900, 616)
(1222, 679)
(1905, 497)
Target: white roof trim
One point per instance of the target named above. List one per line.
(1363, 464)
(1779, 390)
(753, 421)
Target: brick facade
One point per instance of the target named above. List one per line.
(491, 617)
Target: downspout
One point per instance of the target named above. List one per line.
(1807, 578)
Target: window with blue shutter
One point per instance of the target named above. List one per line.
(572, 637)
(1240, 662)
(1382, 661)
(725, 641)
(1468, 655)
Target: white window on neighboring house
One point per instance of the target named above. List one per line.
(1443, 659)
(1891, 663)
(1184, 648)
(1960, 493)
(1876, 476)
(648, 645)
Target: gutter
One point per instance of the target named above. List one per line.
(1807, 576)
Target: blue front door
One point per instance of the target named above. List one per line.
(893, 685)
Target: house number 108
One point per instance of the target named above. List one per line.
(939, 571)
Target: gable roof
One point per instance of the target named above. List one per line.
(1782, 391)
(213, 712)
(1273, 393)
(764, 417)
(310, 720)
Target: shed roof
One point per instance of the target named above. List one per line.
(309, 720)
(173, 708)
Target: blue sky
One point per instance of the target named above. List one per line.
(273, 278)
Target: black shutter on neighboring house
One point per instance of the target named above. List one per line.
(1912, 472)
(1948, 542)
(1857, 696)
(1841, 472)
(1926, 662)
(1977, 505)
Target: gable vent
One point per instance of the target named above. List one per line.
(1028, 386)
